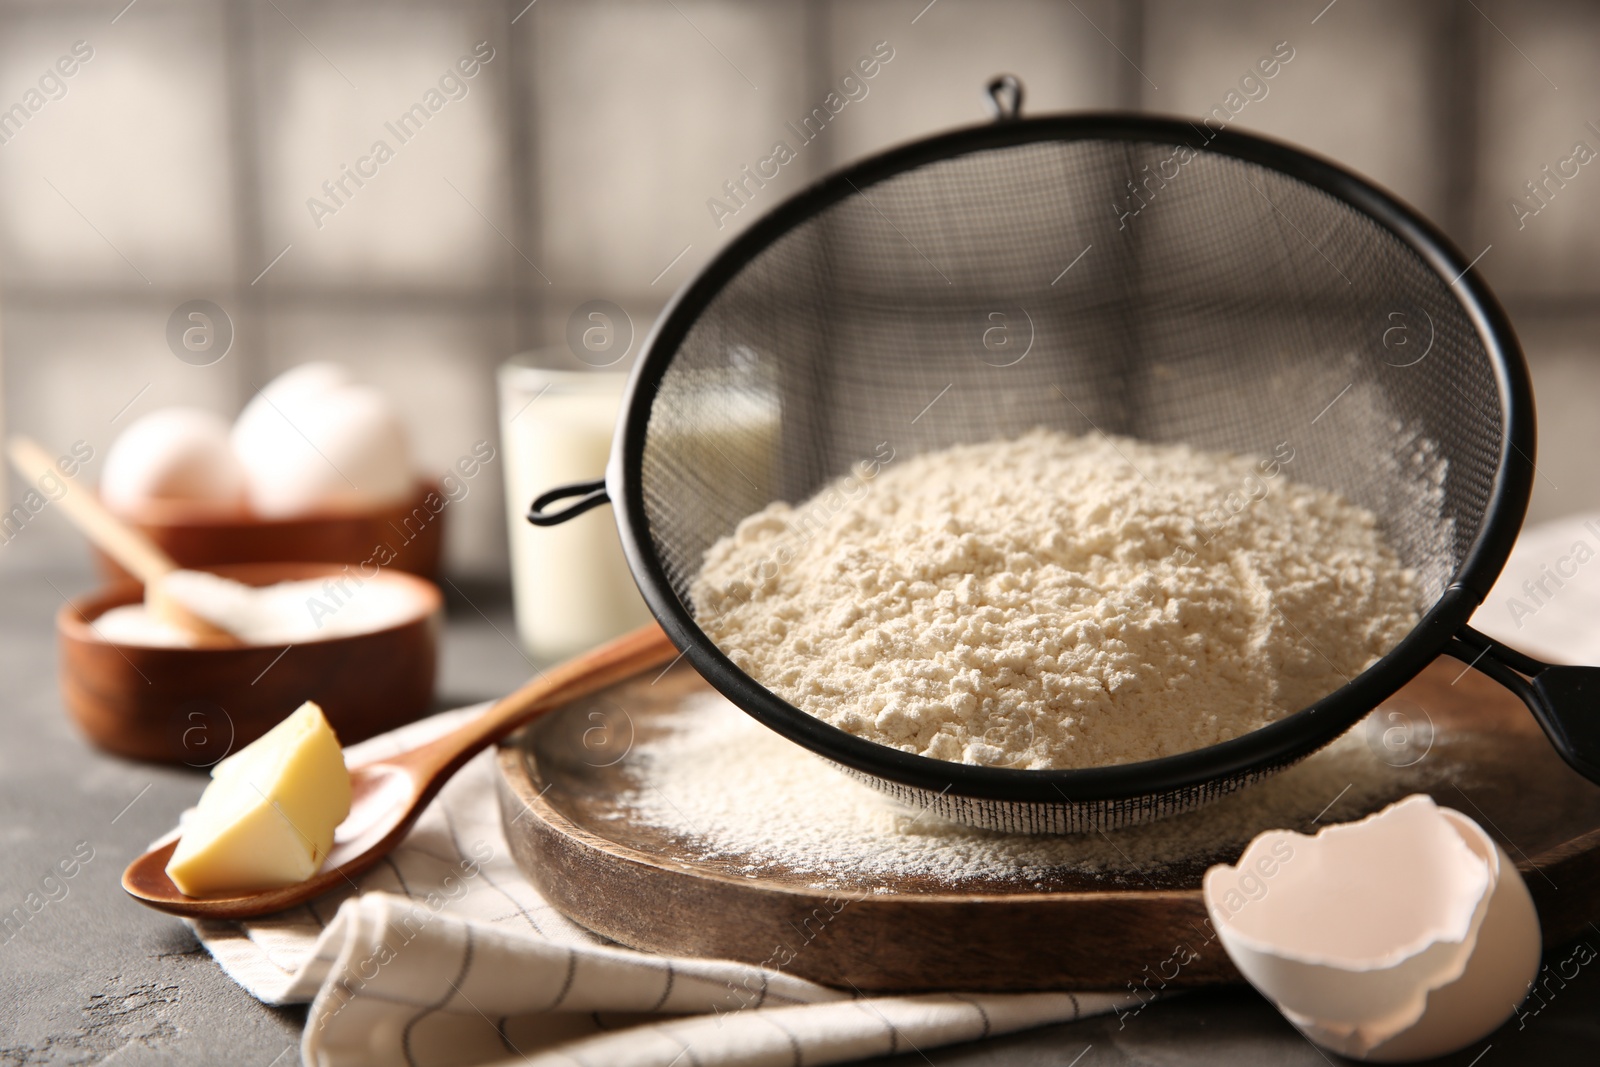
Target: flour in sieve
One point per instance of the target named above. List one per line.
(740, 796)
(1057, 601)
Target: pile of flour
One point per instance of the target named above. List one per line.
(1056, 601)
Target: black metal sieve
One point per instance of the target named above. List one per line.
(1096, 272)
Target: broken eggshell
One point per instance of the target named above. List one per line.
(1407, 935)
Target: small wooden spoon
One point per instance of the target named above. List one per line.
(389, 793)
(139, 555)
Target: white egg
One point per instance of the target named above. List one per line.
(264, 413)
(1407, 935)
(172, 454)
(336, 449)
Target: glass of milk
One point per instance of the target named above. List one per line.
(571, 585)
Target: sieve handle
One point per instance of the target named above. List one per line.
(1564, 700)
(589, 494)
(1005, 97)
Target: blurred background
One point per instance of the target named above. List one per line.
(186, 155)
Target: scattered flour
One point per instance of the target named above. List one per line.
(1057, 602)
(735, 793)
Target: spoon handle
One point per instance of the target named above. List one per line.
(139, 555)
(622, 658)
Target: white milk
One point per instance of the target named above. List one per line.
(571, 584)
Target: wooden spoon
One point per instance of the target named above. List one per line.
(389, 793)
(139, 555)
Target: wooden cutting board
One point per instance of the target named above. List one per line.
(611, 870)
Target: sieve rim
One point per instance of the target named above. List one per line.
(1287, 739)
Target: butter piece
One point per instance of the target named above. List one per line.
(268, 816)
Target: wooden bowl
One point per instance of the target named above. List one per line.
(406, 536)
(195, 705)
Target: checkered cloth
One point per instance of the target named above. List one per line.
(445, 955)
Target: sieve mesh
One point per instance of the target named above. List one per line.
(1238, 308)
(1034, 817)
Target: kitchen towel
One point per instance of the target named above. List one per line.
(1546, 601)
(444, 955)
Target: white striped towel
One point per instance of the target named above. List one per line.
(445, 955)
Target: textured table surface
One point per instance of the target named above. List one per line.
(92, 978)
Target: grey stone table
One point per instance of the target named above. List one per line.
(92, 978)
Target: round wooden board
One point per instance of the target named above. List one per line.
(636, 883)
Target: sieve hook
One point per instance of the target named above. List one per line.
(1005, 97)
(589, 494)
(1564, 700)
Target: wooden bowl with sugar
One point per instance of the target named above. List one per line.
(195, 705)
(407, 535)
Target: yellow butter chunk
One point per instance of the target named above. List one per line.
(268, 816)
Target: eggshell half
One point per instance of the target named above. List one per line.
(1406, 935)
(1504, 961)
